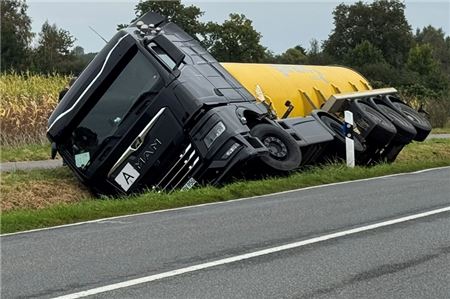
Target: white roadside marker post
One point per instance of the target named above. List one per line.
(349, 142)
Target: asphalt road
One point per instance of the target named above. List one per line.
(28, 165)
(410, 259)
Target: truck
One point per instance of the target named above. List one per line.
(155, 111)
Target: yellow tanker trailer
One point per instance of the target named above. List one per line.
(383, 123)
(307, 87)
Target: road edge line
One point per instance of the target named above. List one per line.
(154, 277)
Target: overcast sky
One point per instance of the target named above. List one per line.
(283, 24)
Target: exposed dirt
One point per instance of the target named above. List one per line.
(37, 194)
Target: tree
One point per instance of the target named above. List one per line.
(77, 61)
(316, 56)
(294, 55)
(269, 57)
(16, 35)
(234, 41)
(421, 60)
(440, 44)
(382, 23)
(78, 51)
(364, 53)
(187, 17)
(53, 51)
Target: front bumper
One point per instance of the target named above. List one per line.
(230, 150)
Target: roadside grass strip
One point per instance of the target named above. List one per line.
(445, 130)
(29, 152)
(67, 202)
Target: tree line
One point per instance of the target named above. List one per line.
(373, 38)
(55, 51)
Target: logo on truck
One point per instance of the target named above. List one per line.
(147, 154)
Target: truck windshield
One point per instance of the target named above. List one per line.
(102, 121)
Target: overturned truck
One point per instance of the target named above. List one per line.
(154, 110)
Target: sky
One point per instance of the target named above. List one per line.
(283, 24)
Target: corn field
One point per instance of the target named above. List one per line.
(27, 101)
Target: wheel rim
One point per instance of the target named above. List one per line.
(336, 127)
(276, 147)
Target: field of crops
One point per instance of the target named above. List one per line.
(26, 103)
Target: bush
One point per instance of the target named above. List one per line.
(439, 111)
(436, 104)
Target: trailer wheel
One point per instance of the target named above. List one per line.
(336, 127)
(374, 126)
(284, 153)
(405, 130)
(422, 125)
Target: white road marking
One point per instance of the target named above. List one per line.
(224, 202)
(250, 255)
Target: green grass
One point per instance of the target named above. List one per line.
(433, 153)
(30, 152)
(24, 176)
(441, 130)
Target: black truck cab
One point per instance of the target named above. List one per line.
(154, 110)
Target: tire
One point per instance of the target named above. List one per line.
(336, 126)
(405, 130)
(284, 152)
(374, 126)
(422, 125)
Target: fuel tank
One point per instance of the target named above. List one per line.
(303, 87)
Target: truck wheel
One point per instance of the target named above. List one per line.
(374, 126)
(337, 149)
(405, 130)
(336, 127)
(284, 153)
(422, 125)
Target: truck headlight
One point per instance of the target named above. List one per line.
(214, 133)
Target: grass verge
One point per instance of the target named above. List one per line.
(416, 156)
(445, 130)
(29, 152)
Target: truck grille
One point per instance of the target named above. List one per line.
(181, 171)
